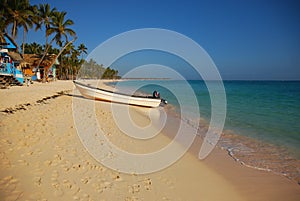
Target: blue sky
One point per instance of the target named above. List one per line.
(246, 39)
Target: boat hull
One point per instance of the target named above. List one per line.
(104, 95)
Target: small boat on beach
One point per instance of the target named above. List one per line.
(95, 93)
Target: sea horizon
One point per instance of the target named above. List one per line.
(224, 80)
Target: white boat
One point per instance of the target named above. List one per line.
(105, 95)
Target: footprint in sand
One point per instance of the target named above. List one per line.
(66, 165)
(6, 141)
(38, 181)
(55, 184)
(85, 180)
(82, 197)
(30, 153)
(131, 199)
(100, 168)
(67, 184)
(58, 192)
(23, 162)
(48, 162)
(77, 166)
(5, 180)
(147, 184)
(97, 187)
(80, 168)
(116, 176)
(102, 186)
(8, 187)
(57, 158)
(135, 188)
(5, 162)
(71, 187)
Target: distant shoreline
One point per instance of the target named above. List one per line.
(151, 78)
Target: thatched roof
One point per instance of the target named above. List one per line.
(34, 59)
(15, 56)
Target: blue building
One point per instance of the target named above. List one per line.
(10, 74)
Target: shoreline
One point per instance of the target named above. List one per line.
(52, 146)
(252, 152)
(238, 158)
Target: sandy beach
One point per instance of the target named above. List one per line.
(43, 158)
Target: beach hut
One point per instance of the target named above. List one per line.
(47, 67)
(17, 58)
(10, 48)
(10, 59)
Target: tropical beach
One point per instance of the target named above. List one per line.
(96, 106)
(42, 157)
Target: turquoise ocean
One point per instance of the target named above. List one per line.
(262, 126)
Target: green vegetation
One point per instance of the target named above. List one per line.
(91, 70)
(19, 14)
(110, 74)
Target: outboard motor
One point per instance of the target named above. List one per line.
(156, 94)
(164, 101)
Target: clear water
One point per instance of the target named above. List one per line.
(262, 127)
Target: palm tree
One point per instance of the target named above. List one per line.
(33, 48)
(68, 50)
(66, 59)
(27, 22)
(2, 39)
(37, 48)
(75, 62)
(59, 27)
(2, 23)
(82, 50)
(17, 13)
(53, 50)
(45, 14)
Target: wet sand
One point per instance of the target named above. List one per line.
(43, 158)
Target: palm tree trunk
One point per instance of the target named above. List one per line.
(14, 29)
(45, 52)
(23, 45)
(70, 42)
(66, 45)
(60, 69)
(46, 40)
